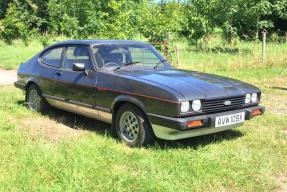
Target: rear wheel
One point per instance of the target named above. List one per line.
(35, 100)
(132, 127)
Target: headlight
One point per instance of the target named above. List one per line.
(196, 105)
(184, 107)
(254, 97)
(247, 98)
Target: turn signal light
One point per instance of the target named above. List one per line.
(194, 124)
(256, 112)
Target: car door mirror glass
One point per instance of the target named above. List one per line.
(78, 66)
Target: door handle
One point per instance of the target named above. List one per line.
(58, 73)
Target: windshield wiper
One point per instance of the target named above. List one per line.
(127, 64)
(160, 62)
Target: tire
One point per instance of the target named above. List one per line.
(35, 101)
(132, 127)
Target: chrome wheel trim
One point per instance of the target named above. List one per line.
(33, 100)
(129, 126)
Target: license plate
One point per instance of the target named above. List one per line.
(232, 119)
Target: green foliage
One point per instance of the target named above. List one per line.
(70, 26)
(198, 25)
(280, 8)
(229, 33)
(247, 16)
(44, 40)
(124, 19)
(10, 25)
(105, 19)
(20, 22)
(156, 21)
(3, 7)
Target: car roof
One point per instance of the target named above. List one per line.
(93, 42)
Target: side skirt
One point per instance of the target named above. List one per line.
(78, 109)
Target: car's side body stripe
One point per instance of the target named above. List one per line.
(136, 94)
(117, 91)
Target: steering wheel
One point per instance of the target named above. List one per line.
(111, 64)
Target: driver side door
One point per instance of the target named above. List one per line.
(76, 86)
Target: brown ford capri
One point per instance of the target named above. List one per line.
(129, 85)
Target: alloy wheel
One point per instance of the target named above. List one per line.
(33, 100)
(129, 126)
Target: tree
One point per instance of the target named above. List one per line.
(106, 19)
(123, 19)
(3, 7)
(198, 24)
(155, 21)
(19, 22)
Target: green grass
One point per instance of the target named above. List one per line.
(249, 158)
(17, 53)
(216, 58)
(59, 151)
(12, 55)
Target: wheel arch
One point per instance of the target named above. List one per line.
(122, 100)
(30, 81)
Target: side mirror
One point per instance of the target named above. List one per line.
(79, 67)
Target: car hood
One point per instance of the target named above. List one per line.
(194, 85)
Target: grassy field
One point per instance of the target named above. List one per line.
(245, 55)
(16, 53)
(59, 151)
(12, 55)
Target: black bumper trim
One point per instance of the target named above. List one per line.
(208, 119)
(19, 85)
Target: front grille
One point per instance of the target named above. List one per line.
(217, 105)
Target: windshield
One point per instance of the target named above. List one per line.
(118, 55)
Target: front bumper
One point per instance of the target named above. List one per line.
(177, 128)
(19, 85)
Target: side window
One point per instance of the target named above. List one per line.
(76, 54)
(109, 55)
(52, 57)
(143, 55)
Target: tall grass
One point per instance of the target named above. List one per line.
(217, 58)
(16, 53)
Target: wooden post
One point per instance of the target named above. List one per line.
(264, 46)
(165, 48)
(177, 55)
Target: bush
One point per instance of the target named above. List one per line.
(44, 40)
(19, 23)
(229, 33)
(123, 19)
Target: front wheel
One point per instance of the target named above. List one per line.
(133, 127)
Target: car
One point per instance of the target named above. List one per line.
(129, 85)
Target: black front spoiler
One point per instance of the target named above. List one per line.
(208, 120)
(19, 85)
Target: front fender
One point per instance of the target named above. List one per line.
(130, 99)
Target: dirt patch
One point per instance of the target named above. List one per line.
(276, 103)
(7, 77)
(282, 183)
(48, 129)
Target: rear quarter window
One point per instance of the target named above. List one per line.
(52, 57)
